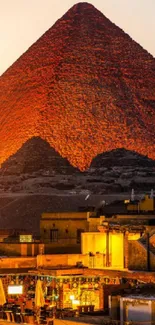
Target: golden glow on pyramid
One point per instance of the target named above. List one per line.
(85, 87)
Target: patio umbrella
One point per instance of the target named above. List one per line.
(2, 294)
(39, 295)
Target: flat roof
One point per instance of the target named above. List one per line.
(143, 277)
(10, 271)
(88, 319)
(139, 297)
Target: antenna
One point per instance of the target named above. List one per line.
(87, 197)
(152, 194)
(132, 195)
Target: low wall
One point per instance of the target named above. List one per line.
(10, 249)
(61, 259)
(69, 322)
(62, 248)
(18, 262)
(20, 249)
(95, 262)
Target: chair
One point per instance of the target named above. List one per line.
(1, 314)
(31, 319)
(4, 315)
(12, 318)
(49, 321)
(22, 318)
(8, 316)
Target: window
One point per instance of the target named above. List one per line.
(54, 235)
(78, 237)
(25, 238)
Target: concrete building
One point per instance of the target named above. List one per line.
(137, 309)
(66, 284)
(145, 205)
(106, 249)
(61, 232)
(56, 227)
(19, 243)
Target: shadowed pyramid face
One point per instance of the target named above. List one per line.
(36, 154)
(84, 86)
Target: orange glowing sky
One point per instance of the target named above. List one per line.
(22, 22)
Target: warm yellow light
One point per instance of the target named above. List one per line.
(72, 297)
(15, 290)
(126, 201)
(25, 238)
(75, 302)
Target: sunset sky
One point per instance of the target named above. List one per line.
(22, 22)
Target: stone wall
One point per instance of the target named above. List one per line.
(138, 257)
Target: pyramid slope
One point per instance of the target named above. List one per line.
(85, 87)
(121, 157)
(36, 154)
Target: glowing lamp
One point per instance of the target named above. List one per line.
(75, 302)
(15, 290)
(72, 297)
(56, 297)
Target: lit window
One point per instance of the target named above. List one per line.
(25, 238)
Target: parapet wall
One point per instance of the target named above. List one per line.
(18, 262)
(62, 259)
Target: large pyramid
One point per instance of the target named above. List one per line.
(85, 87)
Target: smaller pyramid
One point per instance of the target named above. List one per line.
(36, 154)
(121, 157)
